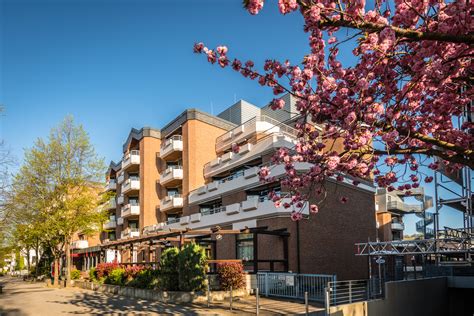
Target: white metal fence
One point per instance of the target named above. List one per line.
(351, 291)
(292, 285)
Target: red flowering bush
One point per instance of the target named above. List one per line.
(103, 269)
(231, 274)
(132, 271)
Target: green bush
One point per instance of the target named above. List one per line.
(231, 274)
(192, 268)
(145, 279)
(75, 274)
(169, 275)
(92, 275)
(116, 277)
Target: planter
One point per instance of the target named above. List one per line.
(157, 295)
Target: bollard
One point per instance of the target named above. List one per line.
(326, 300)
(208, 295)
(306, 303)
(231, 298)
(257, 298)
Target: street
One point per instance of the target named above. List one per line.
(21, 298)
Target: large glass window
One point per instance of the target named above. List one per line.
(245, 250)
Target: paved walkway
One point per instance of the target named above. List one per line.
(34, 299)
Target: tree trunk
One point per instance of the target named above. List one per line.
(36, 259)
(56, 271)
(28, 261)
(68, 263)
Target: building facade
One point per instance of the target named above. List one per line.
(188, 176)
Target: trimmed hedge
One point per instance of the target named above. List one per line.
(231, 274)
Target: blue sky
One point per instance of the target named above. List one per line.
(116, 64)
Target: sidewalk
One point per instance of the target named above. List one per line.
(24, 299)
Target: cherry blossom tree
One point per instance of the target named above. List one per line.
(402, 105)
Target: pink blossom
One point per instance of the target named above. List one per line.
(254, 6)
(333, 162)
(313, 208)
(287, 6)
(277, 104)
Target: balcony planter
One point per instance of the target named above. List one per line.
(195, 218)
(215, 162)
(245, 148)
(184, 220)
(202, 190)
(250, 204)
(213, 186)
(250, 173)
(227, 156)
(233, 209)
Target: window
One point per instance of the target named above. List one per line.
(111, 236)
(245, 250)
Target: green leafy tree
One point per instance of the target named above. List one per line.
(192, 267)
(56, 191)
(169, 269)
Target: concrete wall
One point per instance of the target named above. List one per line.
(403, 298)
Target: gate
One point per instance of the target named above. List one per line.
(293, 285)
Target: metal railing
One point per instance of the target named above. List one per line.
(172, 220)
(283, 127)
(292, 285)
(171, 139)
(214, 210)
(351, 291)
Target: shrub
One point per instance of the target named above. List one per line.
(146, 279)
(115, 277)
(103, 269)
(169, 275)
(92, 275)
(75, 274)
(192, 268)
(131, 272)
(231, 274)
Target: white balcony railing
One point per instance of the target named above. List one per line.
(120, 221)
(130, 159)
(131, 184)
(130, 210)
(247, 153)
(236, 182)
(172, 174)
(120, 177)
(130, 233)
(80, 244)
(398, 226)
(171, 202)
(257, 125)
(252, 208)
(404, 207)
(111, 185)
(172, 145)
(110, 224)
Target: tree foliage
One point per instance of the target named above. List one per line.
(401, 105)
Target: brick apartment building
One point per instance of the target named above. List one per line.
(186, 176)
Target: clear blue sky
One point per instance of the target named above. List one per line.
(116, 64)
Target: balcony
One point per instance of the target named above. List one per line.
(130, 209)
(262, 125)
(404, 207)
(110, 224)
(130, 233)
(111, 185)
(131, 184)
(171, 202)
(397, 226)
(120, 199)
(111, 204)
(131, 159)
(172, 176)
(247, 153)
(171, 149)
(244, 179)
(120, 177)
(80, 244)
(120, 221)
